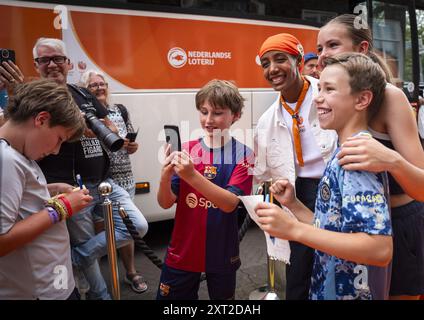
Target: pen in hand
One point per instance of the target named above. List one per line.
(79, 180)
(267, 197)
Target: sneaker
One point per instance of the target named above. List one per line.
(136, 282)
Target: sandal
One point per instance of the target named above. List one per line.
(136, 281)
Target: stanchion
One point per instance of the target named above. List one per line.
(266, 292)
(105, 190)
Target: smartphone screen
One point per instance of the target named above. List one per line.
(132, 136)
(7, 55)
(172, 134)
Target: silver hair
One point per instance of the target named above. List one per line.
(85, 80)
(49, 42)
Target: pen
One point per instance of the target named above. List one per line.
(79, 180)
(267, 200)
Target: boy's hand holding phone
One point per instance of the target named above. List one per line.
(167, 167)
(183, 165)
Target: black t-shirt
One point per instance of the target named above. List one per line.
(85, 157)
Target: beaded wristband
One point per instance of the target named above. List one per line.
(59, 207)
(54, 216)
(67, 204)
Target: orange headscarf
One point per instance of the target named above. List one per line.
(284, 42)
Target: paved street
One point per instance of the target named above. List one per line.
(251, 275)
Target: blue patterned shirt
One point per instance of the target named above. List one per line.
(349, 202)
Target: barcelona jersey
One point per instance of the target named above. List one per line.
(205, 239)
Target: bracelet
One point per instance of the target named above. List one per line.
(59, 207)
(67, 204)
(54, 216)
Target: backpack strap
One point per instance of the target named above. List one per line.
(124, 112)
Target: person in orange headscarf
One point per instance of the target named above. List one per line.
(289, 142)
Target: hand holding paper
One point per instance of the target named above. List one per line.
(276, 221)
(278, 249)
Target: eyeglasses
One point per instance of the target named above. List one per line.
(46, 60)
(96, 85)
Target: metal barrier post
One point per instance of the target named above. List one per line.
(266, 292)
(105, 190)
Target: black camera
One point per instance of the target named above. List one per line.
(109, 138)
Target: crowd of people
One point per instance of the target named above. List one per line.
(340, 144)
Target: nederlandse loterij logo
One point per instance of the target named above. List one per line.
(191, 200)
(177, 57)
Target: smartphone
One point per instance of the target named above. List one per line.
(172, 134)
(7, 55)
(132, 136)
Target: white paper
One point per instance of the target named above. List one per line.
(277, 249)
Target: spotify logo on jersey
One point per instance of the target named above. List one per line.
(191, 200)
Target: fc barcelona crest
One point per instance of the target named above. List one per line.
(210, 172)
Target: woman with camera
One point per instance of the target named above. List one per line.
(120, 164)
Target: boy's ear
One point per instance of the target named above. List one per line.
(363, 100)
(42, 118)
(236, 117)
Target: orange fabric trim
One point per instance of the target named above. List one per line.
(295, 117)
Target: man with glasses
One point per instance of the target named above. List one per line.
(88, 158)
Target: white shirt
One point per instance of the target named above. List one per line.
(313, 162)
(42, 268)
(275, 156)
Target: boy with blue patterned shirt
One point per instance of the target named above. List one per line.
(351, 228)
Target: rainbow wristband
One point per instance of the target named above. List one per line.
(54, 216)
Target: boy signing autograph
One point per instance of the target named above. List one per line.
(351, 228)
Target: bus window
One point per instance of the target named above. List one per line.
(276, 10)
(392, 39)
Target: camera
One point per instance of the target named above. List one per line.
(110, 139)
